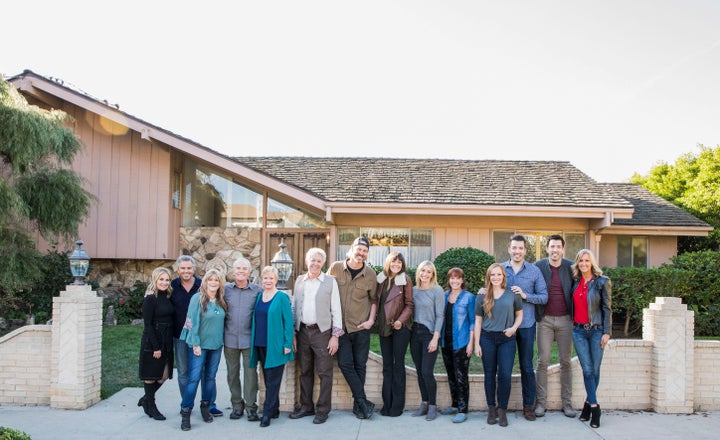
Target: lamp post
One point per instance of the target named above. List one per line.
(79, 263)
(284, 264)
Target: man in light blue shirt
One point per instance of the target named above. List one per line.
(525, 280)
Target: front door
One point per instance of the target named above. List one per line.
(297, 244)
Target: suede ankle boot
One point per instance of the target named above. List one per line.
(492, 415)
(422, 410)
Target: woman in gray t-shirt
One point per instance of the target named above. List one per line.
(498, 314)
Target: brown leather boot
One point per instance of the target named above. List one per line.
(492, 415)
(529, 413)
(502, 417)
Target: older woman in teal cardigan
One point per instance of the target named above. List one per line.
(272, 336)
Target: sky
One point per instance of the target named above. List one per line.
(614, 87)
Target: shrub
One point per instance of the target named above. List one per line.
(129, 307)
(12, 434)
(473, 261)
(634, 288)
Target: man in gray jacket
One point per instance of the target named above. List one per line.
(554, 323)
(318, 325)
(240, 297)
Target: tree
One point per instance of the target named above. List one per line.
(693, 183)
(37, 190)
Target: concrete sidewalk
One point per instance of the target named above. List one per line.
(119, 417)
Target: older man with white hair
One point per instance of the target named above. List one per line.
(318, 325)
(240, 296)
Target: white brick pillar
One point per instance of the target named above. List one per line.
(76, 348)
(669, 325)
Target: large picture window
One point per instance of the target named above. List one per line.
(536, 244)
(632, 251)
(280, 215)
(414, 244)
(214, 199)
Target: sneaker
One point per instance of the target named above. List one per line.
(459, 418)
(449, 411)
(215, 412)
(539, 410)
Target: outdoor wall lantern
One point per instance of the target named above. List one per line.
(284, 264)
(79, 263)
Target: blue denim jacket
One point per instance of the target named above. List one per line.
(463, 320)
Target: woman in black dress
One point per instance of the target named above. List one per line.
(156, 345)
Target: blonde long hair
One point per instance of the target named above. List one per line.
(595, 269)
(433, 278)
(219, 297)
(489, 300)
(156, 276)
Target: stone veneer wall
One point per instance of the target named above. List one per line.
(214, 247)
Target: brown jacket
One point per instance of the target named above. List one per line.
(399, 304)
(356, 295)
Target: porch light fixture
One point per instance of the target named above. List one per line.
(284, 264)
(79, 263)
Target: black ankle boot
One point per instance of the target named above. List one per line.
(585, 413)
(205, 411)
(595, 416)
(185, 423)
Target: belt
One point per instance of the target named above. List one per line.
(585, 326)
(310, 326)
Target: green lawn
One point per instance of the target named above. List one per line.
(120, 358)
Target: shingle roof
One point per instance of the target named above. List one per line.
(440, 181)
(651, 209)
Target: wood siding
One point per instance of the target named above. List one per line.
(131, 177)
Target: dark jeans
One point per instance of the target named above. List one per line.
(424, 363)
(352, 355)
(525, 338)
(498, 357)
(313, 353)
(273, 380)
(457, 363)
(590, 354)
(393, 349)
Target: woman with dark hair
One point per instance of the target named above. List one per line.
(456, 340)
(498, 314)
(156, 345)
(203, 333)
(428, 318)
(272, 340)
(592, 325)
(394, 318)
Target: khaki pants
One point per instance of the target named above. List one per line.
(549, 329)
(250, 378)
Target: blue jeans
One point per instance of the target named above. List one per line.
(352, 356)
(498, 357)
(589, 352)
(525, 338)
(205, 365)
(181, 363)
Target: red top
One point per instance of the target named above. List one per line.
(556, 305)
(580, 302)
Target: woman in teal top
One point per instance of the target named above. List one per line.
(203, 333)
(272, 340)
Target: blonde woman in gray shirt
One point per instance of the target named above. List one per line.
(429, 300)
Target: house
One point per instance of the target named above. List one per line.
(161, 195)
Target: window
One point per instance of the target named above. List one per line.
(536, 244)
(214, 199)
(632, 251)
(414, 244)
(280, 215)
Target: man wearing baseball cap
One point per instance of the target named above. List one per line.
(358, 298)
